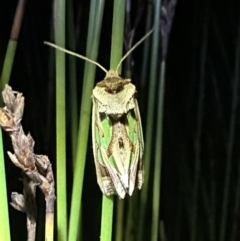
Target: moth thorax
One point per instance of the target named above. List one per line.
(113, 85)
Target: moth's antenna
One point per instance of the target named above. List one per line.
(77, 55)
(135, 46)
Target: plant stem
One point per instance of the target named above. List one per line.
(71, 43)
(4, 217)
(234, 229)
(158, 157)
(12, 43)
(146, 50)
(132, 210)
(119, 221)
(59, 14)
(230, 142)
(198, 137)
(150, 114)
(4, 79)
(94, 30)
(116, 54)
(107, 218)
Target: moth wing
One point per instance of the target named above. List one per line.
(136, 137)
(114, 176)
(133, 171)
(140, 173)
(138, 117)
(103, 178)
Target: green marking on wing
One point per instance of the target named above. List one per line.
(133, 133)
(107, 130)
(132, 127)
(140, 139)
(103, 139)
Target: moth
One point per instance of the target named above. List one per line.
(117, 135)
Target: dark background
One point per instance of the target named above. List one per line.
(202, 76)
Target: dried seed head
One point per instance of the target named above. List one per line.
(6, 120)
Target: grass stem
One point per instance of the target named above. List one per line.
(149, 121)
(116, 54)
(94, 30)
(59, 13)
(4, 79)
(158, 158)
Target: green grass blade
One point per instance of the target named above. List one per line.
(91, 41)
(117, 33)
(107, 218)
(132, 211)
(150, 115)
(72, 76)
(5, 77)
(146, 50)
(12, 44)
(116, 54)
(8, 63)
(230, 143)
(4, 217)
(119, 233)
(158, 158)
(59, 13)
(94, 30)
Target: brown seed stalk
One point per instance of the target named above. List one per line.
(37, 169)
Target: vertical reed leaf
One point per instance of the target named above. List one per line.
(230, 143)
(71, 43)
(4, 79)
(116, 54)
(150, 114)
(146, 50)
(198, 137)
(132, 211)
(167, 16)
(158, 158)
(12, 44)
(4, 218)
(8, 63)
(59, 31)
(119, 232)
(94, 30)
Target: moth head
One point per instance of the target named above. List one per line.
(111, 74)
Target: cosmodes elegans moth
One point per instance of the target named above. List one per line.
(116, 131)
